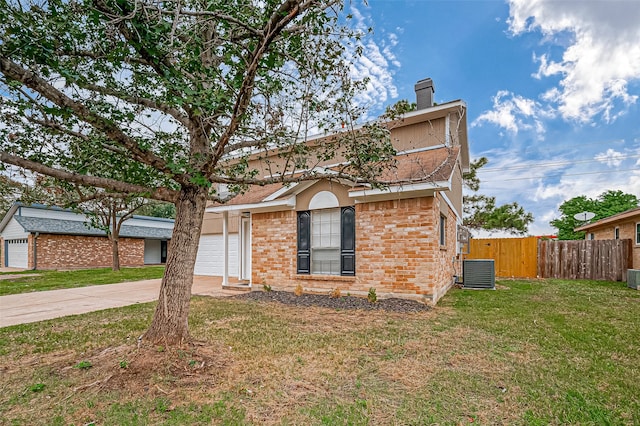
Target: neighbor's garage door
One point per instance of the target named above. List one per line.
(17, 255)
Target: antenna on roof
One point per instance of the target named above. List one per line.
(584, 216)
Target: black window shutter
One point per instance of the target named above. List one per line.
(304, 242)
(348, 241)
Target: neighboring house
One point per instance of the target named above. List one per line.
(41, 237)
(328, 234)
(621, 226)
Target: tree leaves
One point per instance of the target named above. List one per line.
(481, 212)
(606, 204)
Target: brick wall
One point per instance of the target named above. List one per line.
(398, 247)
(274, 248)
(627, 231)
(397, 251)
(69, 252)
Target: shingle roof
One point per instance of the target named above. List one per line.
(255, 194)
(431, 165)
(74, 227)
(424, 166)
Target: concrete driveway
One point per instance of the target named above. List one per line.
(42, 305)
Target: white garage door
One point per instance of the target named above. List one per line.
(210, 259)
(17, 253)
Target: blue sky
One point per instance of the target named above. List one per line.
(552, 88)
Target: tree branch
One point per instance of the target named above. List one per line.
(147, 103)
(32, 81)
(286, 13)
(162, 194)
(161, 64)
(58, 127)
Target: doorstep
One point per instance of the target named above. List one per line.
(239, 286)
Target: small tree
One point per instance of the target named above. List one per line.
(104, 210)
(481, 212)
(606, 204)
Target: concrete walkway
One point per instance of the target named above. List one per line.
(42, 305)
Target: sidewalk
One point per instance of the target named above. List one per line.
(42, 305)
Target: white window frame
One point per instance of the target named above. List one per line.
(443, 230)
(638, 233)
(616, 233)
(332, 265)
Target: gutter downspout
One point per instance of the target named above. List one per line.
(35, 250)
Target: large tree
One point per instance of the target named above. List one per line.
(606, 204)
(481, 211)
(187, 90)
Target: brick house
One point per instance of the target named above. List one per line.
(328, 234)
(41, 237)
(621, 226)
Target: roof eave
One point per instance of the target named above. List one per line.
(7, 217)
(261, 207)
(611, 219)
(395, 192)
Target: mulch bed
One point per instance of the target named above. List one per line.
(337, 303)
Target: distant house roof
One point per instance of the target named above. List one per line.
(157, 228)
(628, 214)
(74, 227)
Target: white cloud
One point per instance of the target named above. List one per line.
(611, 158)
(600, 59)
(513, 113)
(377, 64)
(540, 185)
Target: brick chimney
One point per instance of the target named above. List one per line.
(424, 93)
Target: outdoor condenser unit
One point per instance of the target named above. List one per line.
(479, 274)
(633, 278)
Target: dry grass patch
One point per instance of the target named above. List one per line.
(525, 356)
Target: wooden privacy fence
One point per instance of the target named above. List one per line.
(532, 257)
(584, 259)
(514, 257)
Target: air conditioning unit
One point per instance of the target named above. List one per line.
(633, 278)
(478, 274)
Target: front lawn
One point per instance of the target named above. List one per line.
(54, 280)
(531, 352)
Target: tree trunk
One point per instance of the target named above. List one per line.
(170, 325)
(115, 263)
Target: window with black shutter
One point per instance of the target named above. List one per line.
(304, 242)
(348, 241)
(327, 242)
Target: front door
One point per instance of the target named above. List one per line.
(245, 248)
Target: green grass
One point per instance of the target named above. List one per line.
(531, 353)
(54, 280)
